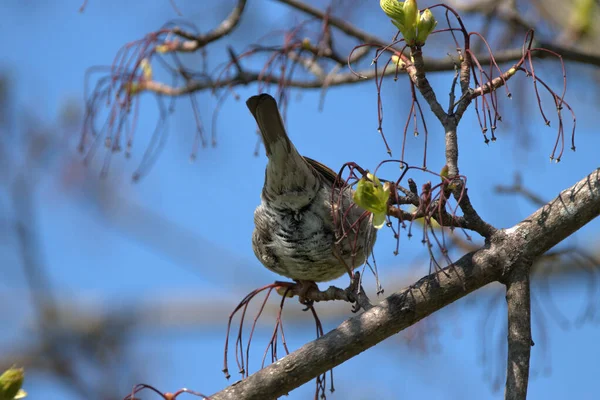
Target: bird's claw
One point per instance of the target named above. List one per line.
(356, 294)
(301, 289)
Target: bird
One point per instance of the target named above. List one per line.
(307, 227)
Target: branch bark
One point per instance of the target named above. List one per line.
(524, 242)
(518, 300)
(337, 79)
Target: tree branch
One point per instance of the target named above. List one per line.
(224, 28)
(532, 237)
(347, 28)
(338, 79)
(518, 189)
(518, 301)
(472, 219)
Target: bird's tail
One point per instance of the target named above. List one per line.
(264, 109)
(287, 169)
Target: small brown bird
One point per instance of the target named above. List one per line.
(295, 234)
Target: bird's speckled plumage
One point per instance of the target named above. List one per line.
(294, 233)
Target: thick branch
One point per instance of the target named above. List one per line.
(451, 147)
(416, 72)
(357, 334)
(526, 241)
(472, 219)
(518, 301)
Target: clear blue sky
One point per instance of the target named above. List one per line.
(95, 253)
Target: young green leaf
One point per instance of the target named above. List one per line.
(10, 384)
(393, 9)
(411, 19)
(426, 25)
(371, 195)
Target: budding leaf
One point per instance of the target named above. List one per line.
(398, 25)
(411, 19)
(146, 69)
(444, 173)
(371, 195)
(393, 9)
(161, 48)
(398, 61)
(10, 384)
(582, 15)
(306, 44)
(21, 394)
(432, 222)
(425, 26)
(132, 87)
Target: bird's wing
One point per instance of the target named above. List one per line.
(326, 172)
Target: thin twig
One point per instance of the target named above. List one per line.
(224, 28)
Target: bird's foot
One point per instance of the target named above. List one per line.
(308, 293)
(356, 294)
(301, 289)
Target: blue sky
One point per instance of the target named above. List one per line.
(97, 254)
